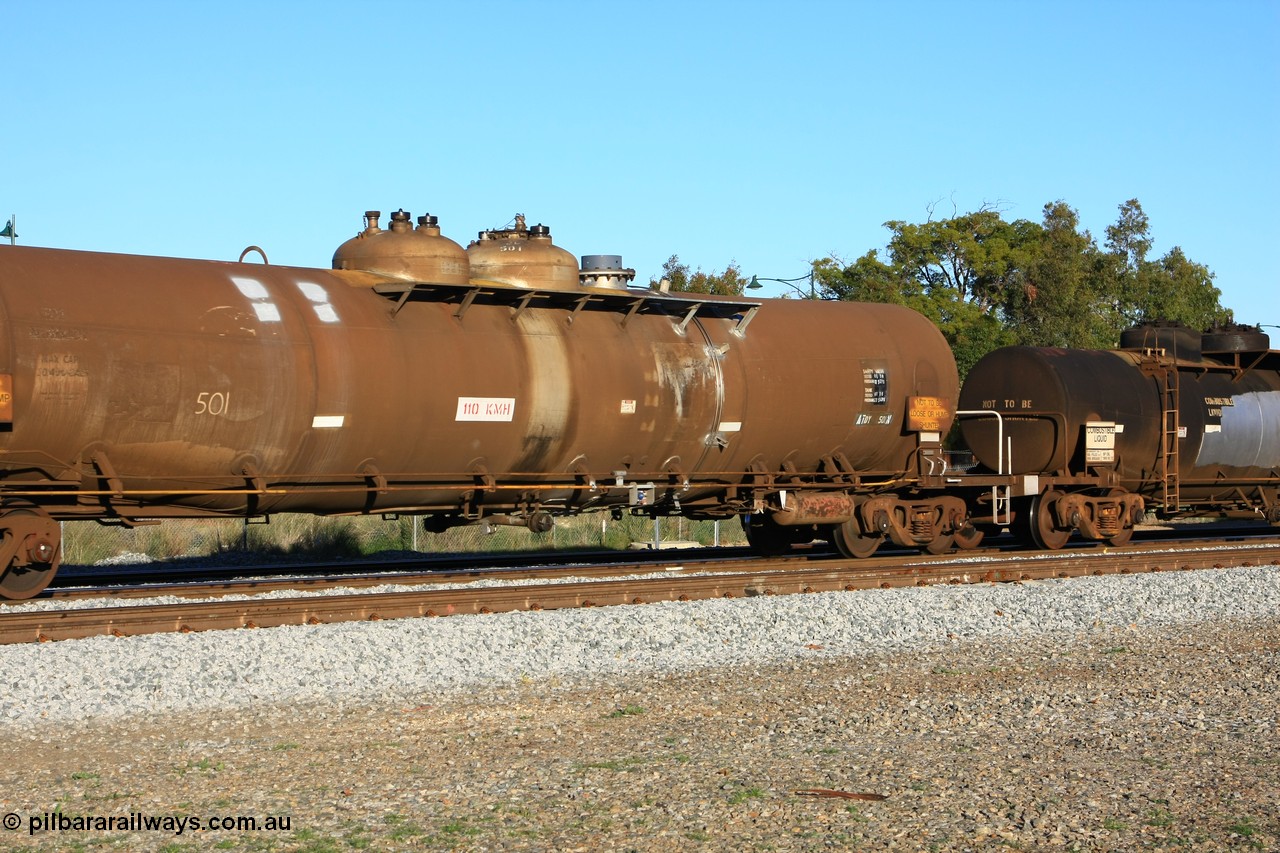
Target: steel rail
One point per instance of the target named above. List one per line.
(310, 577)
(201, 615)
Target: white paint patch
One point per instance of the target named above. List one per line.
(326, 313)
(328, 421)
(319, 298)
(314, 292)
(730, 426)
(259, 298)
(251, 287)
(267, 312)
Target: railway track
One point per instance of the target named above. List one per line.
(155, 580)
(440, 595)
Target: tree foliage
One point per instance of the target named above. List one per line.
(728, 283)
(987, 282)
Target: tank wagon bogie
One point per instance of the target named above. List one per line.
(1174, 421)
(499, 383)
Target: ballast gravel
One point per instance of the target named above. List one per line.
(1119, 712)
(112, 677)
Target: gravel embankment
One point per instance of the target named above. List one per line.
(1135, 712)
(107, 676)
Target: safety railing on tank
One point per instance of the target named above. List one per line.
(1004, 466)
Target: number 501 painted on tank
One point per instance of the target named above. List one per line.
(213, 402)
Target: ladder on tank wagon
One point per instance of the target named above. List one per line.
(1170, 487)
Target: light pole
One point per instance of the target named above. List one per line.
(789, 282)
(10, 230)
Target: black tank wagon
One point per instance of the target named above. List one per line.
(1179, 422)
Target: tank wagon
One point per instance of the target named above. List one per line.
(502, 383)
(1183, 423)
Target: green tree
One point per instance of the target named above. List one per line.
(1060, 287)
(968, 258)
(954, 271)
(1181, 290)
(986, 282)
(1172, 288)
(728, 283)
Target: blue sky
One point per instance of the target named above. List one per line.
(763, 134)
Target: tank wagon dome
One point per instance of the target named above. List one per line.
(1175, 339)
(523, 256)
(1236, 338)
(405, 252)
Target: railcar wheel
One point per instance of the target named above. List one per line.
(969, 537)
(851, 542)
(940, 544)
(30, 551)
(1121, 539)
(1040, 521)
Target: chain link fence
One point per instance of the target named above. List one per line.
(287, 535)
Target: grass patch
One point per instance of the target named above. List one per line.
(628, 711)
(303, 536)
(1243, 827)
(739, 797)
(204, 765)
(460, 827)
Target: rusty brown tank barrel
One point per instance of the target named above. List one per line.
(184, 375)
(419, 378)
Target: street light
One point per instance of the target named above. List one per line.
(789, 282)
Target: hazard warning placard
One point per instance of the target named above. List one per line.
(928, 414)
